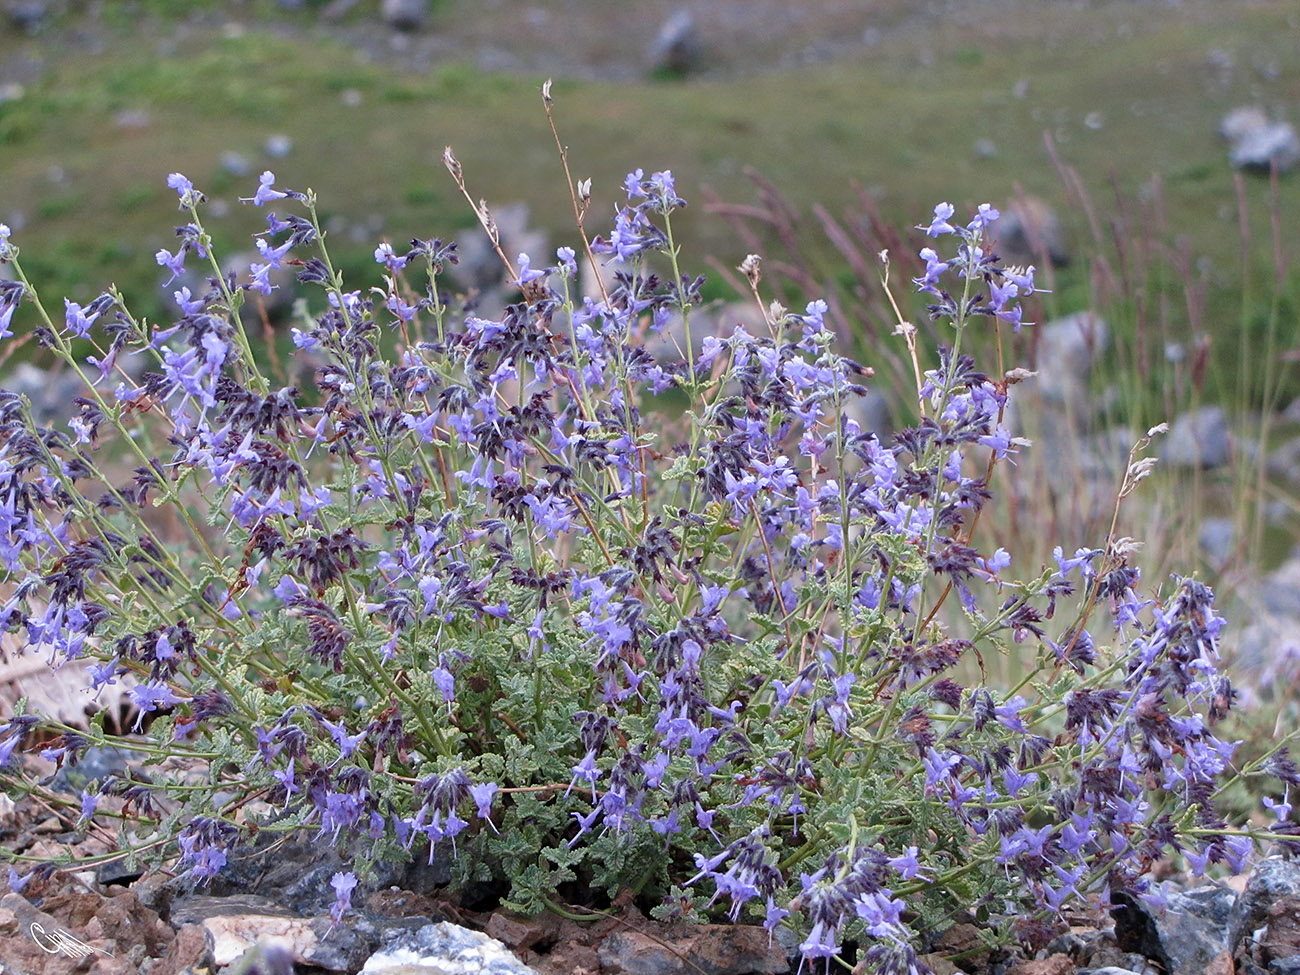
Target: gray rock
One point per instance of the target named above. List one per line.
(480, 269)
(235, 163)
(1103, 954)
(1241, 122)
(29, 15)
(444, 949)
(1283, 462)
(1280, 589)
(1218, 538)
(735, 949)
(1028, 230)
(1274, 145)
(1271, 880)
(50, 391)
(1067, 348)
(677, 49)
(278, 146)
(405, 15)
(1199, 439)
(1258, 143)
(1059, 398)
(237, 923)
(874, 414)
(1114, 970)
(1193, 930)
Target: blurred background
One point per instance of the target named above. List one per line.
(1142, 152)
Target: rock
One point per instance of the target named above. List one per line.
(1274, 145)
(263, 959)
(480, 269)
(677, 49)
(517, 933)
(1193, 930)
(237, 923)
(1241, 122)
(278, 146)
(132, 118)
(1283, 461)
(873, 413)
(80, 932)
(191, 950)
(1199, 439)
(1067, 348)
(1103, 954)
(1028, 231)
(1218, 539)
(1282, 939)
(235, 163)
(1278, 590)
(404, 15)
(1256, 142)
(1058, 398)
(1057, 964)
(444, 949)
(939, 965)
(1272, 881)
(29, 15)
(94, 763)
(50, 391)
(720, 949)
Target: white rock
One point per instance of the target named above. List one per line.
(1240, 122)
(444, 949)
(1199, 439)
(1275, 145)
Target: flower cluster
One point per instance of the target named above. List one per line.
(498, 589)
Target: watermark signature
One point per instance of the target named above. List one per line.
(61, 942)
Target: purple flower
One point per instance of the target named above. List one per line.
(586, 769)
(527, 272)
(343, 884)
(584, 823)
(940, 225)
(445, 682)
(265, 192)
(7, 748)
(149, 698)
(984, 217)
(385, 255)
(6, 316)
(77, 320)
(934, 269)
(347, 743)
(88, 804)
(189, 196)
(482, 794)
(172, 262)
(907, 865)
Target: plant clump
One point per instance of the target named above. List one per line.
(514, 593)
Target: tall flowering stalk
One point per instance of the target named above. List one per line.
(516, 592)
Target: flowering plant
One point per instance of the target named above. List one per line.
(515, 591)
